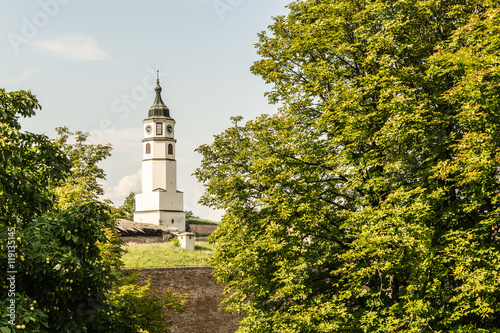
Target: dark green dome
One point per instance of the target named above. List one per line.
(158, 109)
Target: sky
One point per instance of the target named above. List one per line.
(92, 65)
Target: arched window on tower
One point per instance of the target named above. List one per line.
(148, 148)
(170, 149)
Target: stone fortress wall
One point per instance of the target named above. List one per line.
(203, 314)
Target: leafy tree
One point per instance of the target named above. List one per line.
(190, 215)
(126, 211)
(370, 201)
(30, 164)
(55, 271)
(82, 183)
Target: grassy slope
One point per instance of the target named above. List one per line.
(166, 255)
(197, 220)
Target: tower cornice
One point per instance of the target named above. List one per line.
(149, 119)
(158, 139)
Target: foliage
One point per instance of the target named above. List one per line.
(82, 184)
(60, 272)
(166, 255)
(175, 242)
(126, 211)
(57, 268)
(112, 248)
(370, 202)
(30, 164)
(139, 310)
(190, 215)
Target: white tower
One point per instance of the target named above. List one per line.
(159, 202)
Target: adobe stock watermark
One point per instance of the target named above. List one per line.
(222, 7)
(30, 27)
(123, 105)
(11, 275)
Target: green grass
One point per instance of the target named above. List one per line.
(166, 255)
(200, 221)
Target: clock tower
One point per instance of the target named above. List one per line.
(159, 202)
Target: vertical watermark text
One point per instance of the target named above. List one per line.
(11, 275)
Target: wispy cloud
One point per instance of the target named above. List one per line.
(126, 184)
(14, 81)
(73, 47)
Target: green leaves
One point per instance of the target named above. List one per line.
(369, 202)
(82, 184)
(31, 164)
(126, 211)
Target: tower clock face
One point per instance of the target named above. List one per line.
(169, 128)
(149, 129)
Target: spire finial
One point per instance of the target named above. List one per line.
(158, 87)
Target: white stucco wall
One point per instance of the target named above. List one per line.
(159, 202)
(162, 218)
(159, 174)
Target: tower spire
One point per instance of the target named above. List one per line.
(159, 202)
(158, 109)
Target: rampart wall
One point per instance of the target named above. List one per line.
(202, 229)
(203, 314)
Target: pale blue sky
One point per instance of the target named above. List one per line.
(92, 66)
